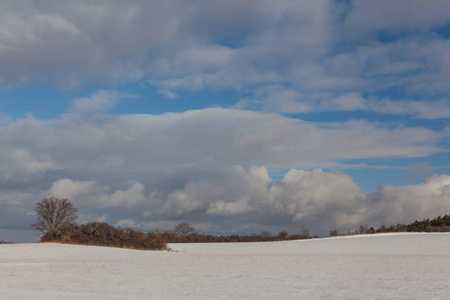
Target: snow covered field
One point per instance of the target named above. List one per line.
(392, 266)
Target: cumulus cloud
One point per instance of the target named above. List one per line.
(244, 200)
(211, 167)
(316, 199)
(92, 193)
(67, 188)
(392, 204)
(131, 197)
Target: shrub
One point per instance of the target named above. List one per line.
(333, 232)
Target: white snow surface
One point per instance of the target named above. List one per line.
(385, 266)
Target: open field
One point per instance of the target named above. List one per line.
(385, 266)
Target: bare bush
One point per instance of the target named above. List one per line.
(334, 232)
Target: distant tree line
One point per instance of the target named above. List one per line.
(186, 233)
(439, 224)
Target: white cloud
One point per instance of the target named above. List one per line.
(67, 188)
(289, 101)
(138, 146)
(400, 204)
(180, 45)
(179, 166)
(243, 199)
(92, 193)
(419, 109)
(302, 47)
(99, 102)
(310, 194)
(347, 102)
(131, 197)
(21, 160)
(438, 109)
(57, 23)
(316, 199)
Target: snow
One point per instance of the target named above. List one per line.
(389, 266)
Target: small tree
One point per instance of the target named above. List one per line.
(265, 236)
(53, 215)
(304, 233)
(182, 230)
(283, 235)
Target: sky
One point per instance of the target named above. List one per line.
(234, 116)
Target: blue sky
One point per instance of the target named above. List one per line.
(233, 116)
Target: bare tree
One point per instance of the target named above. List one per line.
(283, 235)
(304, 233)
(182, 230)
(53, 214)
(265, 236)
